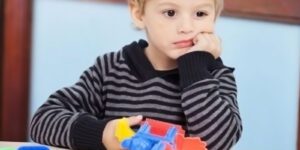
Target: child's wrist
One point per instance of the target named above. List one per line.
(194, 66)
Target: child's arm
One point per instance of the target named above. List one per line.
(209, 100)
(71, 117)
(209, 94)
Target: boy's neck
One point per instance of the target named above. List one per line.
(159, 61)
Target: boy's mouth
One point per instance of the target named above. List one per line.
(184, 43)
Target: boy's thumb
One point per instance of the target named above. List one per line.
(135, 120)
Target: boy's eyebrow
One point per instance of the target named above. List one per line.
(209, 5)
(174, 4)
(167, 3)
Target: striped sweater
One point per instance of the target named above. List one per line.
(200, 95)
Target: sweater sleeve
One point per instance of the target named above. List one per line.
(72, 116)
(209, 100)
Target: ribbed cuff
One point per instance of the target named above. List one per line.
(194, 67)
(86, 133)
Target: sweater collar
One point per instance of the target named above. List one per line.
(139, 63)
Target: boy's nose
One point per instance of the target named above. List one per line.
(185, 26)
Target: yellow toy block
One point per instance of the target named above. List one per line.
(123, 130)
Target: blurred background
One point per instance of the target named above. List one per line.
(46, 44)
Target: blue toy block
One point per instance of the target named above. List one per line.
(33, 147)
(144, 140)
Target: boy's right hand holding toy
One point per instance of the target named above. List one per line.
(109, 139)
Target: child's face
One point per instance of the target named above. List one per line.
(168, 22)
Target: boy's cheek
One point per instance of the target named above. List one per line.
(207, 28)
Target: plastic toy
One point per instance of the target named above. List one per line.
(157, 135)
(123, 130)
(33, 147)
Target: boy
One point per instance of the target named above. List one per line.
(177, 77)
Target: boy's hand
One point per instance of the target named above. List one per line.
(208, 42)
(108, 138)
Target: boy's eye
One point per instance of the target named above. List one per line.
(201, 14)
(170, 13)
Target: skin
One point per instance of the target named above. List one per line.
(167, 22)
(174, 28)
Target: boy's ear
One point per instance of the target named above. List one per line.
(136, 14)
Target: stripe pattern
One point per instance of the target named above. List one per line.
(207, 108)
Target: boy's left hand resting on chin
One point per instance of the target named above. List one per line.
(208, 42)
(204, 41)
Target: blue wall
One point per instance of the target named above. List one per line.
(68, 35)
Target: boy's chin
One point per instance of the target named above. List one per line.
(177, 53)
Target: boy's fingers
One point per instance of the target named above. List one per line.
(135, 120)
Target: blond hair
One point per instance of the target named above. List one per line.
(219, 4)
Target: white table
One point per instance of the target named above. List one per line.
(17, 144)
